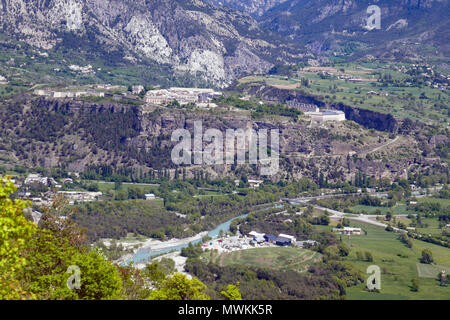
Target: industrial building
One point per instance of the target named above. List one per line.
(283, 242)
(182, 95)
(328, 115)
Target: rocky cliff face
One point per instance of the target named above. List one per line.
(76, 134)
(217, 44)
(256, 8)
(367, 118)
(340, 26)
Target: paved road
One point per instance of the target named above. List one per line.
(335, 195)
(361, 218)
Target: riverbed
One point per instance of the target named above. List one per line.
(154, 249)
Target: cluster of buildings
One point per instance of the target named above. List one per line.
(252, 183)
(282, 240)
(137, 89)
(182, 95)
(80, 196)
(304, 107)
(350, 78)
(84, 70)
(37, 178)
(3, 80)
(68, 94)
(46, 198)
(255, 240)
(230, 243)
(348, 231)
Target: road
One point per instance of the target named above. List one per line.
(362, 218)
(384, 145)
(334, 195)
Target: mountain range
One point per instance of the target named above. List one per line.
(221, 41)
(408, 28)
(218, 44)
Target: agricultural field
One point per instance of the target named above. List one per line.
(106, 187)
(432, 228)
(278, 258)
(397, 209)
(398, 264)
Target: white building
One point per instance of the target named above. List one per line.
(255, 183)
(292, 238)
(348, 230)
(137, 89)
(80, 196)
(32, 178)
(328, 115)
(255, 234)
(149, 196)
(41, 92)
(182, 95)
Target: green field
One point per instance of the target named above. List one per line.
(433, 227)
(398, 265)
(430, 271)
(108, 187)
(278, 258)
(442, 202)
(398, 209)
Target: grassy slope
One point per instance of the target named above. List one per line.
(279, 258)
(397, 271)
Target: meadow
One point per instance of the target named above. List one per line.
(277, 258)
(398, 264)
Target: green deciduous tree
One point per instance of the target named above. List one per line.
(414, 285)
(179, 287)
(427, 256)
(15, 232)
(232, 292)
(34, 261)
(100, 279)
(343, 249)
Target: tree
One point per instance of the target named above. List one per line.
(369, 256)
(343, 249)
(427, 256)
(100, 279)
(232, 292)
(63, 227)
(359, 255)
(34, 261)
(346, 222)
(15, 232)
(389, 215)
(179, 287)
(414, 285)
